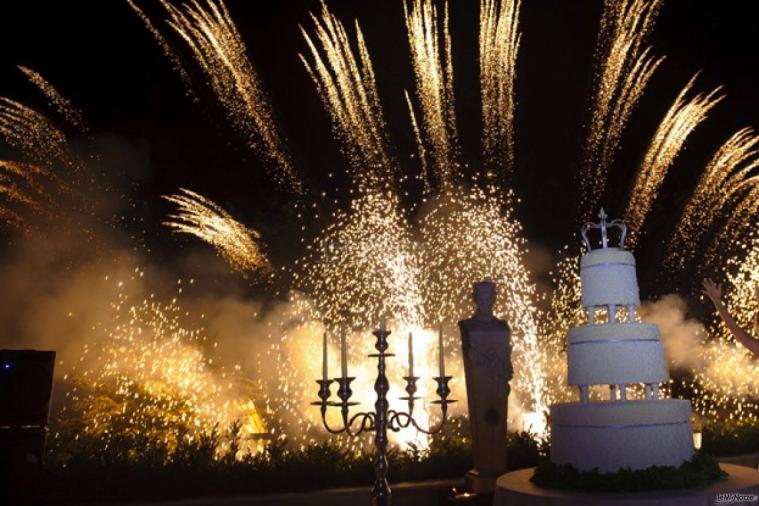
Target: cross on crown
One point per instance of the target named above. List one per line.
(604, 226)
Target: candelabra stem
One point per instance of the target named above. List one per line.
(381, 489)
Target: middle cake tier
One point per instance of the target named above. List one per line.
(614, 354)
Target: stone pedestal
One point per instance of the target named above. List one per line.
(486, 350)
(516, 489)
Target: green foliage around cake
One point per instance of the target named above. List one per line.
(702, 469)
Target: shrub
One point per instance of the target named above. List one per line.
(699, 471)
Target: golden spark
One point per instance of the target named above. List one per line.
(431, 59)
(346, 84)
(62, 104)
(33, 134)
(499, 45)
(470, 236)
(166, 49)
(207, 221)
(364, 265)
(210, 33)
(623, 66)
(145, 375)
(725, 175)
(681, 119)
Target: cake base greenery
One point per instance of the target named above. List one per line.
(699, 471)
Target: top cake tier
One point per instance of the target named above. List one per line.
(608, 277)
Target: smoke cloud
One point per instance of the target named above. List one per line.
(682, 337)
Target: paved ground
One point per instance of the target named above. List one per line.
(423, 493)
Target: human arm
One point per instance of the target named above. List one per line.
(714, 292)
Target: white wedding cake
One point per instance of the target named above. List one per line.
(619, 432)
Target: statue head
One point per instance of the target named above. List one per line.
(484, 297)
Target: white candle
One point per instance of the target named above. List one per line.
(382, 323)
(442, 350)
(325, 375)
(697, 440)
(343, 354)
(410, 354)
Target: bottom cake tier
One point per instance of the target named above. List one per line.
(613, 435)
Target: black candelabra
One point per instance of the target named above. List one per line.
(382, 418)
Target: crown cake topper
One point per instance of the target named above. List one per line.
(604, 226)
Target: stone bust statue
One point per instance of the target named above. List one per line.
(486, 346)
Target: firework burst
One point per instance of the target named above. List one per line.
(681, 119)
(33, 134)
(163, 44)
(469, 236)
(377, 257)
(62, 104)
(207, 221)
(346, 84)
(623, 66)
(725, 175)
(43, 179)
(211, 35)
(146, 376)
(499, 45)
(430, 42)
(725, 386)
(741, 222)
(365, 266)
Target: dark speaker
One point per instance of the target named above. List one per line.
(26, 382)
(21, 455)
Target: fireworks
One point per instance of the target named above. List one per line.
(364, 266)
(166, 48)
(348, 91)
(724, 176)
(372, 259)
(61, 103)
(725, 386)
(219, 50)
(740, 222)
(415, 264)
(681, 119)
(18, 183)
(146, 376)
(499, 45)
(48, 169)
(623, 69)
(207, 221)
(32, 133)
(471, 236)
(433, 70)
(565, 311)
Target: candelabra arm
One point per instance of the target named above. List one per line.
(344, 392)
(398, 420)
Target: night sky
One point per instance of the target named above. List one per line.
(100, 56)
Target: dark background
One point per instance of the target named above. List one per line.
(99, 54)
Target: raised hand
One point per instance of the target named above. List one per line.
(712, 290)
